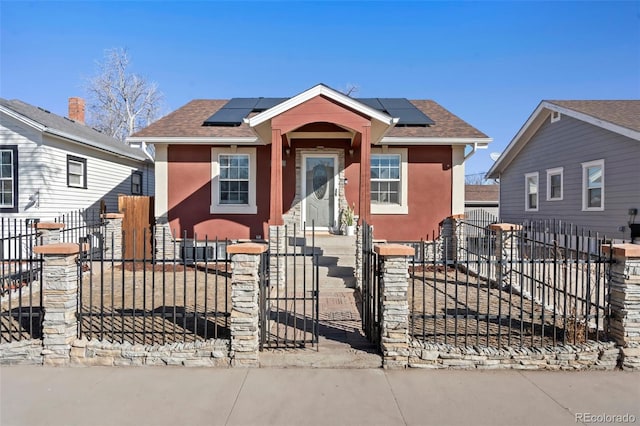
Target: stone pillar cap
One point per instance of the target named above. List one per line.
(623, 250)
(48, 225)
(505, 227)
(61, 248)
(394, 250)
(246, 248)
(112, 216)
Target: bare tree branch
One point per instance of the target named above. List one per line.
(121, 103)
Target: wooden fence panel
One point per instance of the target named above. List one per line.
(137, 225)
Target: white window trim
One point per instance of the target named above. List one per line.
(553, 172)
(555, 116)
(216, 207)
(12, 179)
(403, 207)
(526, 192)
(585, 192)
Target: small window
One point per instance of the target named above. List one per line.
(554, 184)
(136, 183)
(234, 179)
(555, 116)
(233, 186)
(385, 179)
(76, 172)
(389, 181)
(9, 179)
(593, 186)
(531, 191)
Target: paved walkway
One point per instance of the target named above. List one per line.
(272, 396)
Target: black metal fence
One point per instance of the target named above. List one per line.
(83, 226)
(183, 297)
(534, 288)
(20, 280)
(289, 308)
(370, 286)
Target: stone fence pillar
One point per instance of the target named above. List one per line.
(113, 237)
(453, 233)
(625, 302)
(394, 311)
(245, 306)
(166, 248)
(60, 300)
(506, 252)
(49, 232)
(277, 246)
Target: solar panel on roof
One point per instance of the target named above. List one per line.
(241, 103)
(266, 103)
(407, 112)
(372, 102)
(228, 117)
(236, 109)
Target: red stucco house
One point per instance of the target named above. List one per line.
(231, 168)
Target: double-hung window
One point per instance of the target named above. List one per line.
(389, 181)
(76, 172)
(136, 183)
(9, 178)
(233, 183)
(593, 186)
(554, 184)
(531, 192)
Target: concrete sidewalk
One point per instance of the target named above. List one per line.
(270, 396)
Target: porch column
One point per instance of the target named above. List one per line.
(275, 213)
(365, 174)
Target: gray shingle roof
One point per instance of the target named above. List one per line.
(187, 122)
(71, 129)
(625, 113)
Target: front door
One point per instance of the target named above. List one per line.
(320, 188)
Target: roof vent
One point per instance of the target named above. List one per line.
(555, 116)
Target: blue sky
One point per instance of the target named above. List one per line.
(488, 62)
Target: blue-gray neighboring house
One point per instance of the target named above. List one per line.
(575, 161)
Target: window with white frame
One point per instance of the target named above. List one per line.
(593, 186)
(389, 181)
(9, 179)
(554, 184)
(233, 182)
(136, 183)
(76, 172)
(531, 191)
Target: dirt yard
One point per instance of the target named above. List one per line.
(461, 309)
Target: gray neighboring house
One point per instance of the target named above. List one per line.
(52, 165)
(575, 161)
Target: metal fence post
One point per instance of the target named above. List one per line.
(60, 300)
(245, 306)
(394, 314)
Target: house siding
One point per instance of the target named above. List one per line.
(43, 170)
(189, 196)
(429, 196)
(568, 143)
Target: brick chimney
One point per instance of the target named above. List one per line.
(76, 109)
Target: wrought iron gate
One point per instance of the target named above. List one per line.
(289, 307)
(370, 286)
